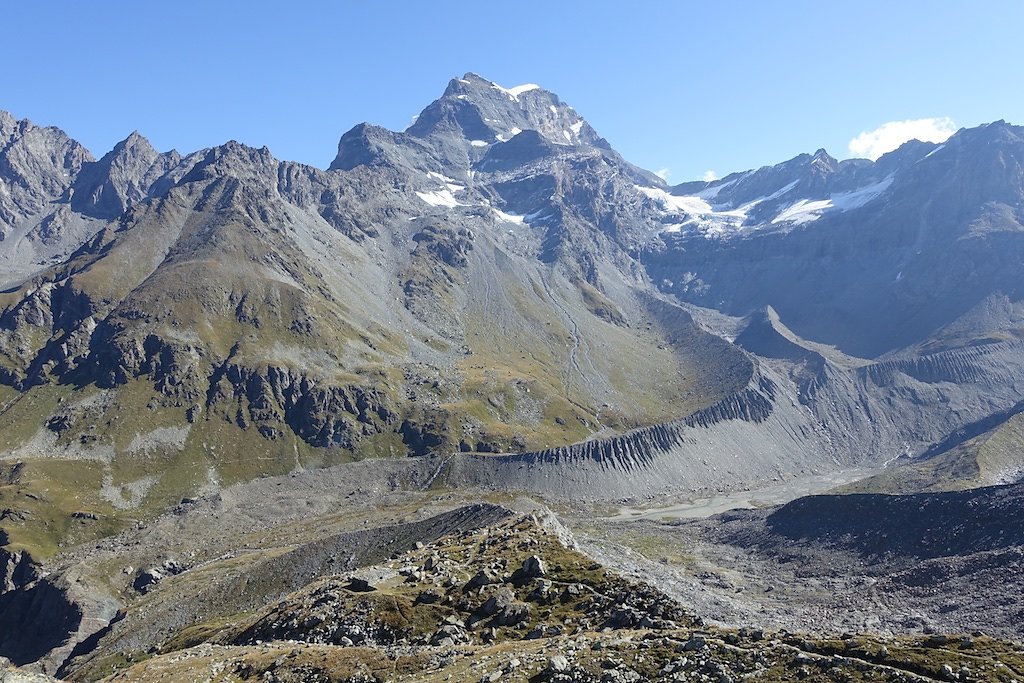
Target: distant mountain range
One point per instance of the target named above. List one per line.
(496, 287)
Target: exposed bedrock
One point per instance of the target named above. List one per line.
(16, 567)
(37, 618)
(272, 398)
(43, 615)
(320, 413)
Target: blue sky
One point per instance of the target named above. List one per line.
(683, 86)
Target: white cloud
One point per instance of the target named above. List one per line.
(663, 173)
(709, 175)
(887, 137)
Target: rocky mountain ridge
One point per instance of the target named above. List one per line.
(924, 237)
(129, 305)
(496, 292)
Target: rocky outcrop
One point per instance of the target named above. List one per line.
(321, 413)
(579, 623)
(124, 176)
(271, 577)
(11, 674)
(436, 606)
(37, 166)
(37, 617)
(177, 368)
(48, 332)
(17, 569)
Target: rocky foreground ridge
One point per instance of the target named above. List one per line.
(510, 601)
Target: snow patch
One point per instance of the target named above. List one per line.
(803, 211)
(670, 202)
(439, 198)
(440, 176)
(536, 217)
(807, 211)
(509, 217)
(478, 143)
(712, 192)
(774, 195)
(567, 136)
(518, 90)
(577, 127)
(858, 198)
(692, 213)
(451, 184)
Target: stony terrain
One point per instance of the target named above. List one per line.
(274, 561)
(932, 563)
(509, 601)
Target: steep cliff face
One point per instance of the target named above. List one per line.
(16, 568)
(38, 167)
(38, 616)
(124, 176)
(321, 415)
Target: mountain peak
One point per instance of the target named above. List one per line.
(234, 159)
(37, 165)
(135, 144)
(105, 188)
(477, 113)
(824, 162)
